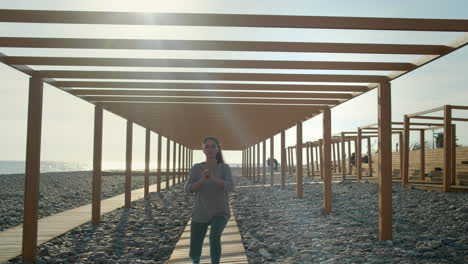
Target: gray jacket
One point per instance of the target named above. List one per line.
(210, 199)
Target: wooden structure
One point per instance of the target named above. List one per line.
(177, 113)
(449, 171)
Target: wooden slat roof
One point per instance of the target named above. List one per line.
(246, 107)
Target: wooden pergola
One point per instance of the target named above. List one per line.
(233, 113)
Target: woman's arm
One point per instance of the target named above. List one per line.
(228, 183)
(194, 181)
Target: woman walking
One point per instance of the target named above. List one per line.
(210, 182)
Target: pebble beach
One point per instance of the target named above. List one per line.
(275, 226)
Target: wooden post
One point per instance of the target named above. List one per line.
(401, 149)
(359, 155)
(147, 160)
(447, 147)
(289, 160)
(179, 165)
(283, 159)
(292, 157)
(299, 176)
(327, 174)
(385, 160)
(355, 154)
(264, 162)
(312, 165)
(272, 159)
(158, 175)
(343, 157)
(97, 161)
(33, 165)
(350, 167)
(128, 165)
(454, 156)
(369, 155)
(307, 159)
(258, 163)
(317, 157)
(338, 156)
(321, 158)
(248, 162)
(174, 163)
(406, 139)
(422, 155)
(334, 157)
(168, 161)
(254, 166)
(184, 157)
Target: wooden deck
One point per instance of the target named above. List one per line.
(232, 248)
(55, 225)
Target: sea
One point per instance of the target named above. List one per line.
(18, 166)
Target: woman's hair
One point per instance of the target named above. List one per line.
(219, 155)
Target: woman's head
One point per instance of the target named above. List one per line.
(212, 149)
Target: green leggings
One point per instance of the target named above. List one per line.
(198, 233)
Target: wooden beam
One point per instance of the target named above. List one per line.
(128, 165)
(211, 86)
(299, 174)
(218, 45)
(203, 63)
(207, 94)
(274, 101)
(320, 158)
(231, 20)
(32, 170)
(283, 159)
(327, 175)
(385, 160)
(212, 76)
(97, 165)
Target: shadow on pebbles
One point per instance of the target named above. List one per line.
(277, 227)
(146, 233)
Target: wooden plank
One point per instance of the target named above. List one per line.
(385, 160)
(264, 161)
(270, 77)
(52, 226)
(231, 20)
(218, 45)
(32, 175)
(203, 63)
(232, 248)
(174, 157)
(168, 161)
(159, 169)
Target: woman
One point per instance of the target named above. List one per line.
(210, 181)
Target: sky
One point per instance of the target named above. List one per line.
(67, 132)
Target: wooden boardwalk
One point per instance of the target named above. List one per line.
(55, 225)
(232, 248)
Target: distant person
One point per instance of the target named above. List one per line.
(353, 159)
(276, 164)
(210, 182)
(269, 164)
